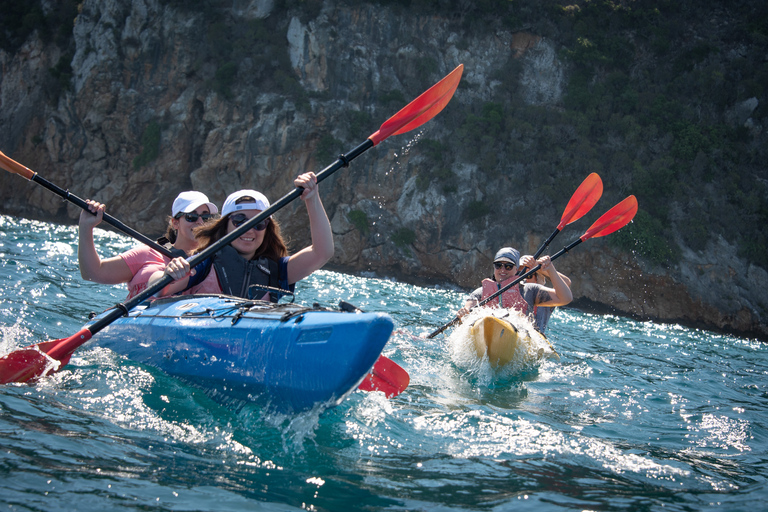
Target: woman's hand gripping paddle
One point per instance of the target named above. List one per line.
(15, 167)
(612, 220)
(41, 359)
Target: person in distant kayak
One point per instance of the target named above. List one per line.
(541, 314)
(190, 210)
(523, 297)
(259, 257)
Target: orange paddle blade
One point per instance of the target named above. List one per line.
(386, 376)
(11, 165)
(35, 361)
(613, 220)
(422, 109)
(582, 200)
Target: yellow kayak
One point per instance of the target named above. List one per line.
(501, 341)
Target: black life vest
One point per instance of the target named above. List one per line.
(236, 274)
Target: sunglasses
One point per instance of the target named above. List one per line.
(507, 266)
(240, 219)
(192, 217)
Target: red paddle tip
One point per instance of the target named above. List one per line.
(422, 109)
(585, 197)
(386, 376)
(11, 165)
(35, 361)
(614, 219)
(26, 365)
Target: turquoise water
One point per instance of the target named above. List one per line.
(635, 415)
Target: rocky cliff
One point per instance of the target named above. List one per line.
(150, 110)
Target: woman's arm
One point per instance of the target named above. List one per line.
(311, 258)
(560, 293)
(92, 268)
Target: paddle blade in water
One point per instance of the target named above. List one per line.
(583, 200)
(35, 361)
(613, 220)
(422, 109)
(11, 165)
(27, 364)
(386, 376)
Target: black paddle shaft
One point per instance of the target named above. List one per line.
(107, 218)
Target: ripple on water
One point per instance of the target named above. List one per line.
(634, 416)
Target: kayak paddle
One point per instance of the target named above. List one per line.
(386, 376)
(612, 220)
(41, 359)
(15, 167)
(581, 202)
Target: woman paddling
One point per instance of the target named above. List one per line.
(135, 266)
(524, 297)
(259, 257)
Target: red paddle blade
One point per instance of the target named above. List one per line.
(11, 165)
(582, 200)
(422, 109)
(27, 364)
(36, 361)
(386, 376)
(613, 220)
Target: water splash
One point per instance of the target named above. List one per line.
(531, 350)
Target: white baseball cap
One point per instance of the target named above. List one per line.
(260, 202)
(190, 201)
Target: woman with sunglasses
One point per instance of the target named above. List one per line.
(524, 297)
(259, 257)
(190, 210)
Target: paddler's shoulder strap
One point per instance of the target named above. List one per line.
(168, 245)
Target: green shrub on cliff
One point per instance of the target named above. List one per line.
(224, 78)
(359, 219)
(403, 237)
(150, 145)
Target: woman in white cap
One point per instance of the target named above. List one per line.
(190, 210)
(259, 257)
(524, 297)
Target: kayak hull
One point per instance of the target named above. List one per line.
(295, 357)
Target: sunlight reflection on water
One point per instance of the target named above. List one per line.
(633, 409)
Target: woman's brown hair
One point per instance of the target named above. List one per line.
(170, 233)
(273, 246)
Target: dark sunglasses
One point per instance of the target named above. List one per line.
(240, 219)
(507, 266)
(193, 216)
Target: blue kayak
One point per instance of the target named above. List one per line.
(294, 357)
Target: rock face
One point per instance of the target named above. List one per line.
(136, 65)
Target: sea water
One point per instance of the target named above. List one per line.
(634, 416)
